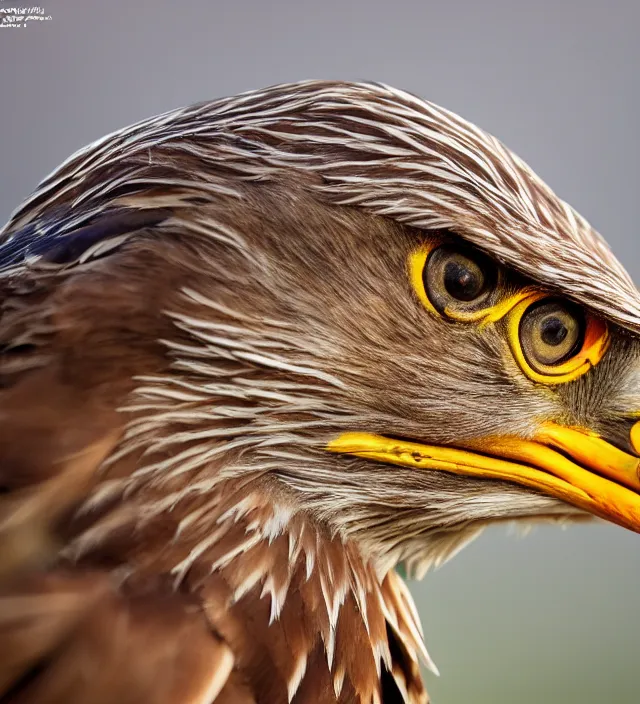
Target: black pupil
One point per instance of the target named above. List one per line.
(461, 281)
(553, 331)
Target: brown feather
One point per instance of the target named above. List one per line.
(190, 310)
(76, 640)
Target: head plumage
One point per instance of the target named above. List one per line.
(358, 144)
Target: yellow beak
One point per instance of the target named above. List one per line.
(573, 465)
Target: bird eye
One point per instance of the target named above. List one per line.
(553, 340)
(458, 280)
(551, 332)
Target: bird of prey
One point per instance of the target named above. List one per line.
(258, 352)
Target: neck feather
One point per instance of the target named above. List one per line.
(303, 611)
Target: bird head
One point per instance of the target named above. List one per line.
(277, 344)
(365, 304)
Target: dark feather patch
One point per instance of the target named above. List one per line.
(64, 236)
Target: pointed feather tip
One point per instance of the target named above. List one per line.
(426, 659)
(401, 570)
(431, 666)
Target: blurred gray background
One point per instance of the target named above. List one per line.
(551, 618)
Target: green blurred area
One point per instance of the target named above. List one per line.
(551, 618)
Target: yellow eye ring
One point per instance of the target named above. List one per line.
(594, 345)
(594, 342)
(490, 314)
(416, 264)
